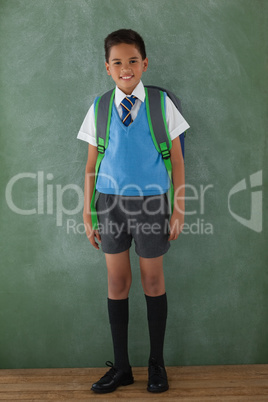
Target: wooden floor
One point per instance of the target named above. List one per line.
(187, 384)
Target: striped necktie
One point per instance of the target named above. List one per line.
(127, 104)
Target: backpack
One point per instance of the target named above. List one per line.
(155, 107)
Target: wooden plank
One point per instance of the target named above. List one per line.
(187, 384)
(237, 386)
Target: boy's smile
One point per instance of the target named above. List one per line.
(126, 66)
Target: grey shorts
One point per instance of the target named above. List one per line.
(144, 218)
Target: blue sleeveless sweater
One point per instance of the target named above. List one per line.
(131, 165)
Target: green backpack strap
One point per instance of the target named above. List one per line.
(155, 107)
(103, 111)
(177, 103)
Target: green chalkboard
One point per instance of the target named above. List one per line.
(53, 283)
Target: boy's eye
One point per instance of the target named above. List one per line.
(117, 63)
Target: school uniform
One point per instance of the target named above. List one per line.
(132, 171)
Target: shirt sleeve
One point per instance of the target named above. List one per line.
(175, 121)
(87, 130)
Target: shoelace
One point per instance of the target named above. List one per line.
(155, 370)
(113, 370)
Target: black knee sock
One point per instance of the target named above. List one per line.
(157, 315)
(118, 317)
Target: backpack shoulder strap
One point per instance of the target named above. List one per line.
(103, 111)
(155, 108)
(155, 114)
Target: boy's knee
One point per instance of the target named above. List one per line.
(119, 286)
(153, 285)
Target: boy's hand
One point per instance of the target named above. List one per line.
(175, 226)
(91, 234)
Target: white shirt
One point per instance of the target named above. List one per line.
(175, 121)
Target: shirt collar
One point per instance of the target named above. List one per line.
(139, 92)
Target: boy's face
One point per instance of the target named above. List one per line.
(126, 66)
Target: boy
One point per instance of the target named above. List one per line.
(132, 185)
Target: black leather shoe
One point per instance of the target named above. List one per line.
(158, 381)
(112, 379)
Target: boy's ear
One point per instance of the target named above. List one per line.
(107, 68)
(145, 64)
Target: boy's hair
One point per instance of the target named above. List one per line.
(124, 36)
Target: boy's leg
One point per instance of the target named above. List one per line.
(153, 283)
(152, 276)
(119, 275)
(119, 282)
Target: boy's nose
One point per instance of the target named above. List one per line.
(125, 68)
